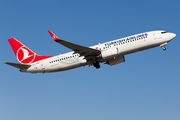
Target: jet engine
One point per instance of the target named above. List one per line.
(109, 53)
(116, 61)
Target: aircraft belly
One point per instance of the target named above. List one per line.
(67, 67)
(68, 64)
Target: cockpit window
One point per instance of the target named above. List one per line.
(163, 32)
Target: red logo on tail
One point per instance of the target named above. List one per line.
(25, 56)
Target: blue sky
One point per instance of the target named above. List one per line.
(145, 87)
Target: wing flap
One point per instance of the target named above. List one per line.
(17, 65)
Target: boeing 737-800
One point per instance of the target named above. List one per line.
(111, 53)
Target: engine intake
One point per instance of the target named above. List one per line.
(109, 53)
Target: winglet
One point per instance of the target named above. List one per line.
(54, 37)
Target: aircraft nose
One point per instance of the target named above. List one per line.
(172, 36)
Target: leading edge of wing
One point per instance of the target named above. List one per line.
(76, 48)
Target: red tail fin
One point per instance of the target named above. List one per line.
(24, 54)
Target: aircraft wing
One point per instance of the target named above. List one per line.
(17, 65)
(83, 51)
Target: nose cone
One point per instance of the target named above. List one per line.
(174, 35)
(171, 36)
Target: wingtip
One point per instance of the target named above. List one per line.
(54, 37)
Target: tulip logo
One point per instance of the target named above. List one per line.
(25, 56)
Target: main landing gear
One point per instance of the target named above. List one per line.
(96, 65)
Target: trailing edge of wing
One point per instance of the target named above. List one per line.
(76, 48)
(17, 65)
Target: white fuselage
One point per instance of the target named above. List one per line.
(121, 46)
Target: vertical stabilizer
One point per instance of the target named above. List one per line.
(24, 55)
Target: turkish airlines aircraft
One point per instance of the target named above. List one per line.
(111, 53)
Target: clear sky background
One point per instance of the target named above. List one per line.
(145, 87)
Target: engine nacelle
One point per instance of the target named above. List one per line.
(116, 60)
(109, 53)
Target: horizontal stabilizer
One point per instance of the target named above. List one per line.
(19, 66)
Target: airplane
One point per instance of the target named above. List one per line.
(110, 53)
